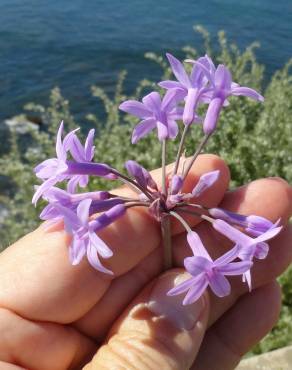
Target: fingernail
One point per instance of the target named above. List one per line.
(171, 308)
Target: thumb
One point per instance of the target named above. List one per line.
(155, 331)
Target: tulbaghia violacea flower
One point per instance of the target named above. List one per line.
(84, 239)
(248, 247)
(155, 113)
(141, 175)
(253, 225)
(193, 85)
(100, 202)
(58, 169)
(206, 272)
(81, 154)
(206, 181)
(221, 87)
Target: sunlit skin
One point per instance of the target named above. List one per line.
(56, 316)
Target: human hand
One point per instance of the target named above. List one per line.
(57, 316)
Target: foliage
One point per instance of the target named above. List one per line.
(255, 140)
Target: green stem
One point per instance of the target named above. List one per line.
(180, 149)
(163, 165)
(166, 239)
(198, 151)
(128, 180)
(182, 221)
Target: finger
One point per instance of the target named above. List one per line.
(240, 329)
(97, 322)
(39, 262)
(155, 332)
(124, 288)
(46, 346)
(7, 366)
(280, 255)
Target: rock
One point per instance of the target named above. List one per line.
(281, 359)
(19, 124)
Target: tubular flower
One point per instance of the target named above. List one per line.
(58, 169)
(193, 85)
(155, 113)
(221, 87)
(206, 272)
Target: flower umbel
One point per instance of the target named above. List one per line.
(85, 214)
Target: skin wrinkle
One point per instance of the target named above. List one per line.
(133, 341)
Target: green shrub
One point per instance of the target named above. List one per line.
(254, 139)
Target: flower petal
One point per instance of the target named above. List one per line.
(94, 260)
(261, 250)
(197, 265)
(47, 168)
(76, 149)
(271, 233)
(235, 268)
(232, 233)
(77, 251)
(61, 152)
(176, 184)
(179, 71)
(246, 91)
(135, 108)
(227, 257)
(83, 211)
(152, 102)
(223, 78)
(89, 147)
(205, 182)
(43, 188)
(171, 85)
(100, 245)
(197, 289)
(142, 129)
(172, 129)
(72, 184)
(171, 98)
(219, 284)
(182, 287)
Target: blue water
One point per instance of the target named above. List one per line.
(73, 44)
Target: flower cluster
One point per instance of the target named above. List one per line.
(85, 214)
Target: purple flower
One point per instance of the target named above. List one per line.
(155, 114)
(59, 169)
(84, 239)
(221, 87)
(81, 154)
(249, 247)
(253, 225)
(176, 184)
(193, 86)
(206, 272)
(205, 182)
(141, 175)
(55, 195)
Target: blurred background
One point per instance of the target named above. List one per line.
(77, 60)
(73, 44)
